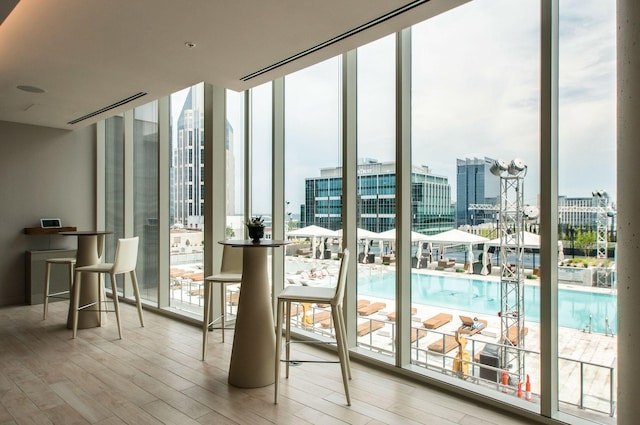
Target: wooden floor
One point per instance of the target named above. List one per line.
(155, 376)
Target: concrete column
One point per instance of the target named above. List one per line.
(628, 197)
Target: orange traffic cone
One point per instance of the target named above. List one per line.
(520, 394)
(527, 389)
(505, 381)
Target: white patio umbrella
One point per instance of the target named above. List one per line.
(418, 254)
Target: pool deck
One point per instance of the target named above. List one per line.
(574, 346)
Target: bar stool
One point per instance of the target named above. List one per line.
(125, 260)
(230, 273)
(318, 295)
(70, 262)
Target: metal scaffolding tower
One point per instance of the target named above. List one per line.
(511, 233)
(602, 210)
(602, 206)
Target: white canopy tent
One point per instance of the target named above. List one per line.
(530, 241)
(363, 234)
(391, 235)
(312, 232)
(360, 234)
(458, 237)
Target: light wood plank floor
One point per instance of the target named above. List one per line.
(155, 376)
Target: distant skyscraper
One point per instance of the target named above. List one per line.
(475, 185)
(187, 171)
(376, 199)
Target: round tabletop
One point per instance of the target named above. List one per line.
(248, 243)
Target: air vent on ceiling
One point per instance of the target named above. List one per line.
(108, 108)
(338, 38)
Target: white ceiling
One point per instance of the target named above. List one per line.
(90, 54)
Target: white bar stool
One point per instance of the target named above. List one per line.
(66, 261)
(318, 295)
(230, 273)
(125, 260)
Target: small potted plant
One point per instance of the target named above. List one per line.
(256, 228)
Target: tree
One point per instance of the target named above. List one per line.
(585, 241)
(229, 232)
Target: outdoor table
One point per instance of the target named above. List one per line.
(254, 342)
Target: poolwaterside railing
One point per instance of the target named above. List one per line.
(190, 290)
(444, 365)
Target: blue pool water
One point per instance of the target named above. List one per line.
(483, 297)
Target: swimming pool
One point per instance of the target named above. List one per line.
(483, 297)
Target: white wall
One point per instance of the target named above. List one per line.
(44, 172)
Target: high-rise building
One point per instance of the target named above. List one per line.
(187, 171)
(432, 211)
(475, 185)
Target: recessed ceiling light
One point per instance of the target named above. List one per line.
(190, 45)
(31, 89)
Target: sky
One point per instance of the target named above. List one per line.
(475, 93)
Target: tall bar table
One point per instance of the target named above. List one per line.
(90, 248)
(254, 342)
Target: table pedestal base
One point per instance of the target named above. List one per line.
(254, 343)
(87, 254)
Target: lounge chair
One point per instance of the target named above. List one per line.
(317, 316)
(369, 326)
(362, 303)
(392, 316)
(438, 320)
(513, 334)
(446, 263)
(470, 326)
(444, 344)
(417, 333)
(371, 308)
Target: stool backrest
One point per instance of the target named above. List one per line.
(231, 260)
(342, 278)
(126, 255)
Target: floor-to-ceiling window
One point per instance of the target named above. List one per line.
(587, 292)
(235, 135)
(145, 201)
(376, 196)
(114, 182)
(186, 200)
(313, 181)
(261, 140)
(475, 99)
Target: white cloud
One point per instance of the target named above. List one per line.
(475, 94)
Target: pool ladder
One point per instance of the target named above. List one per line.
(588, 328)
(607, 328)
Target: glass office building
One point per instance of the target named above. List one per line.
(476, 185)
(431, 207)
